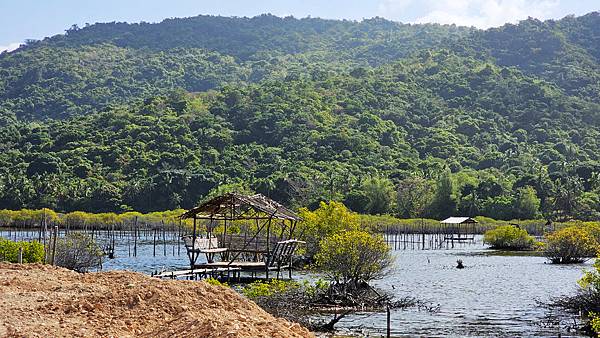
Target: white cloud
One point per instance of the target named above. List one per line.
(10, 47)
(478, 13)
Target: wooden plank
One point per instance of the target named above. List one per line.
(213, 250)
(181, 273)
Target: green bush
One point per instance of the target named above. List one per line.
(508, 237)
(275, 288)
(330, 218)
(33, 252)
(215, 282)
(572, 244)
(352, 257)
(586, 300)
(260, 289)
(595, 323)
(79, 252)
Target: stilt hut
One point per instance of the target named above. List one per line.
(247, 233)
(459, 229)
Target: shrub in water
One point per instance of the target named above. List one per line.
(328, 219)
(79, 252)
(508, 237)
(570, 245)
(352, 257)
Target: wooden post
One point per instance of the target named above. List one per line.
(112, 240)
(268, 248)
(192, 256)
(54, 236)
(389, 321)
(291, 262)
(423, 231)
(154, 244)
(164, 238)
(179, 233)
(135, 234)
(129, 243)
(173, 235)
(20, 258)
(40, 232)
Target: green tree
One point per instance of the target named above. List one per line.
(330, 218)
(444, 200)
(352, 257)
(414, 194)
(527, 204)
(379, 193)
(570, 245)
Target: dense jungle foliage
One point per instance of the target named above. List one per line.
(411, 120)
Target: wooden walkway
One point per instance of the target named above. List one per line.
(196, 273)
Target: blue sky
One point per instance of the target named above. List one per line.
(36, 19)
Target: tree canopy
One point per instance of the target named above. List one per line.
(412, 120)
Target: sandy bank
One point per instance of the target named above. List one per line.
(43, 301)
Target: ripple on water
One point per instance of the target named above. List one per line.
(494, 296)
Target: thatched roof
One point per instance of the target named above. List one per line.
(221, 207)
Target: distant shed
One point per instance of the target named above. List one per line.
(459, 229)
(459, 220)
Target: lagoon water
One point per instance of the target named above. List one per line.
(493, 296)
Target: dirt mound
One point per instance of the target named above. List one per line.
(44, 301)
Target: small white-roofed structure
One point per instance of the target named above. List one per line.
(459, 229)
(459, 220)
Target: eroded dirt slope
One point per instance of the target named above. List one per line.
(44, 301)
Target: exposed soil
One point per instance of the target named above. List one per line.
(44, 301)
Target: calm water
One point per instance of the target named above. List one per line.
(494, 296)
(167, 255)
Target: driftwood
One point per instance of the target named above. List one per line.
(329, 327)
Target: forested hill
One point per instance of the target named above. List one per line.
(415, 120)
(266, 36)
(565, 52)
(340, 136)
(88, 68)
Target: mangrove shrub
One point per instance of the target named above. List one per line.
(79, 252)
(353, 257)
(587, 299)
(508, 237)
(330, 218)
(33, 252)
(570, 245)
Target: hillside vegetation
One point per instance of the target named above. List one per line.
(413, 120)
